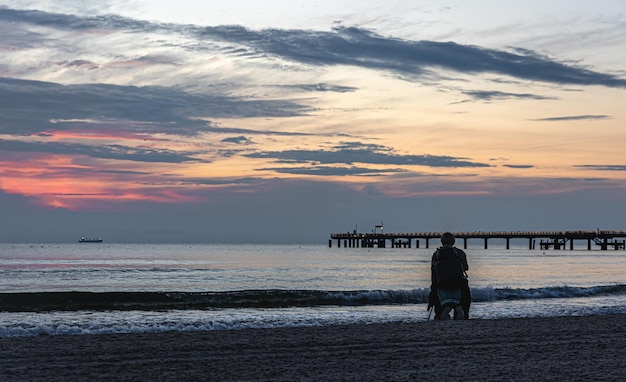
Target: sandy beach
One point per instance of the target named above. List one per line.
(559, 348)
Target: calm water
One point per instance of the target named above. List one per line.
(243, 286)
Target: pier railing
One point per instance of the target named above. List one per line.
(548, 239)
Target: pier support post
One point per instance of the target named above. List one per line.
(485, 243)
(507, 243)
(427, 239)
(464, 243)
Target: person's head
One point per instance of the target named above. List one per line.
(447, 239)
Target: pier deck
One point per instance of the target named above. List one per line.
(548, 239)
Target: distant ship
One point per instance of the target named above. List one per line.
(90, 240)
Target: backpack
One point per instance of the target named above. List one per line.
(448, 268)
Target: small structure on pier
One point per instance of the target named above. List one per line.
(548, 239)
(379, 227)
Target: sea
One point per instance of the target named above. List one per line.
(102, 288)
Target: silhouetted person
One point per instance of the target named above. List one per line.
(449, 286)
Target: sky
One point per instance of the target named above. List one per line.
(285, 121)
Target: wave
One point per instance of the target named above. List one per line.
(269, 298)
(497, 294)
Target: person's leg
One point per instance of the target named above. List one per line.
(445, 313)
(438, 311)
(458, 313)
(437, 305)
(466, 299)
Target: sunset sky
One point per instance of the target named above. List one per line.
(283, 121)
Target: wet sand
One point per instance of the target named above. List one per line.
(538, 349)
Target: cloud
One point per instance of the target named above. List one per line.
(604, 167)
(363, 48)
(573, 118)
(72, 22)
(101, 151)
(321, 87)
(83, 64)
(484, 95)
(223, 182)
(148, 109)
(238, 130)
(521, 166)
(240, 140)
(331, 171)
(354, 152)
(349, 46)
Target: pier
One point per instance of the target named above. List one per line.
(605, 239)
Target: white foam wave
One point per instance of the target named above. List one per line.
(109, 322)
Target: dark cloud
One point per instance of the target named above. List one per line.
(321, 87)
(573, 118)
(364, 48)
(346, 46)
(604, 167)
(81, 64)
(523, 166)
(353, 145)
(240, 140)
(101, 151)
(331, 171)
(72, 22)
(116, 172)
(237, 130)
(28, 107)
(484, 95)
(222, 182)
(351, 153)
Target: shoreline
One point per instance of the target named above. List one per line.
(573, 348)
